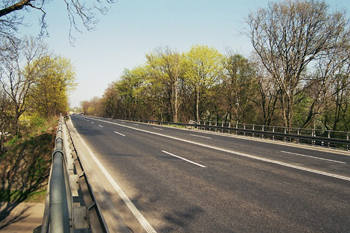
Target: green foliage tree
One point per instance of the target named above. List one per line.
(202, 70)
(129, 89)
(164, 69)
(55, 77)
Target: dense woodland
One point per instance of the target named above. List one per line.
(297, 76)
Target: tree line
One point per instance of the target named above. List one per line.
(34, 85)
(297, 75)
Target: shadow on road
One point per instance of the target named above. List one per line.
(180, 219)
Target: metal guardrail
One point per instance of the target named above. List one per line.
(286, 130)
(58, 206)
(72, 204)
(297, 135)
(60, 193)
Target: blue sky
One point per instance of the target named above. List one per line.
(133, 28)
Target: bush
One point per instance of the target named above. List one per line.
(37, 122)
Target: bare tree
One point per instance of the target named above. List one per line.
(15, 82)
(336, 116)
(4, 121)
(291, 35)
(268, 92)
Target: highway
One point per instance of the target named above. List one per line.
(165, 179)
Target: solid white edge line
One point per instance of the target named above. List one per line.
(312, 157)
(100, 126)
(238, 153)
(119, 133)
(187, 160)
(144, 223)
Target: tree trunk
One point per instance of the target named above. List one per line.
(176, 103)
(197, 105)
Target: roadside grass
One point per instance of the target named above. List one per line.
(25, 165)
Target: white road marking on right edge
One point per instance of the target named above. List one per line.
(308, 156)
(187, 160)
(240, 154)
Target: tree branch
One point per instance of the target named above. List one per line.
(14, 7)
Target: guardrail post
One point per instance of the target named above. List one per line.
(253, 129)
(298, 133)
(244, 128)
(285, 132)
(347, 138)
(329, 136)
(262, 129)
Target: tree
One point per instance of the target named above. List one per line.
(92, 107)
(85, 104)
(129, 89)
(165, 69)
(336, 114)
(267, 94)
(54, 78)
(237, 87)
(4, 120)
(288, 36)
(202, 69)
(111, 101)
(15, 81)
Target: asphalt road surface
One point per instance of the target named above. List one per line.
(180, 180)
